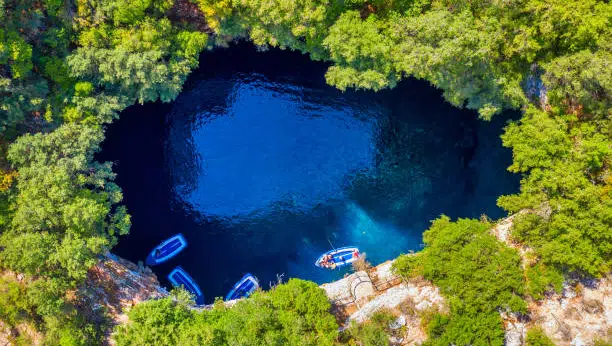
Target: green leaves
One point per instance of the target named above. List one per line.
(537, 337)
(154, 323)
(479, 275)
(361, 53)
(15, 52)
(455, 52)
(541, 279)
(295, 313)
(536, 141)
(294, 24)
(130, 11)
(14, 306)
(375, 332)
(143, 63)
(27, 252)
(581, 82)
(563, 186)
(64, 210)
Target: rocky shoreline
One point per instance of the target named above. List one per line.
(580, 315)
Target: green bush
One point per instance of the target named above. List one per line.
(567, 188)
(374, 332)
(82, 63)
(14, 305)
(541, 279)
(295, 313)
(478, 275)
(537, 337)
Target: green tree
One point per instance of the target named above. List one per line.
(15, 52)
(295, 24)
(455, 52)
(361, 53)
(66, 210)
(581, 82)
(295, 313)
(478, 275)
(14, 307)
(375, 332)
(145, 62)
(566, 190)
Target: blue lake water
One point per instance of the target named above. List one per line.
(263, 167)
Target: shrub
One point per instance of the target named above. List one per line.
(537, 337)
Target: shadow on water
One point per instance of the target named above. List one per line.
(262, 165)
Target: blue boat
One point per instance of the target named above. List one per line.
(338, 257)
(243, 288)
(179, 277)
(166, 250)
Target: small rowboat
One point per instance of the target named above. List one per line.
(339, 257)
(243, 288)
(166, 250)
(179, 277)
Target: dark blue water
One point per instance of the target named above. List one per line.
(261, 166)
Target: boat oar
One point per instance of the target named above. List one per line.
(332, 245)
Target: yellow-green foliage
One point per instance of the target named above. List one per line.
(536, 337)
(215, 11)
(14, 306)
(295, 313)
(476, 273)
(565, 164)
(82, 62)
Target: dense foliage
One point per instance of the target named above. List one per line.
(76, 65)
(567, 188)
(374, 332)
(64, 63)
(65, 211)
(536, 337)
(479, 275)
(478, 52)
(68, 67)
(295, 313)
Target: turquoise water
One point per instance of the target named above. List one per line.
(263, 167)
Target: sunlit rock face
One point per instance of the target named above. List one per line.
(112, 287)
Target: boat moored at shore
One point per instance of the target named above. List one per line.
(338, 257)
(243, 288)
(179, 278)
(166, 250)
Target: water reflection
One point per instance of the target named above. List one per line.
(263, 151)
(263, 167)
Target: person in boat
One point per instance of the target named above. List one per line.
(327, 261)
(356, 253)
(330, 261)
(157, 253)
(324, 261)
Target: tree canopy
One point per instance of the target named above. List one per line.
(66, 211)
(478, 274)
(295, 313)
(67, 68)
